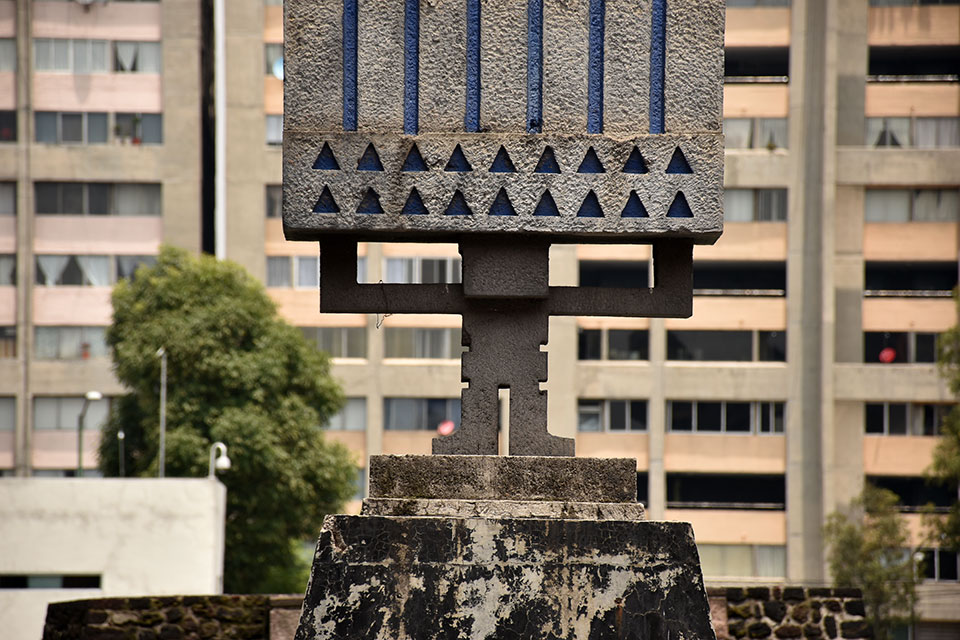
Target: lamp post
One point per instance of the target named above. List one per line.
(121, 436)
(218, 459)
(89, 397)
(162, 354)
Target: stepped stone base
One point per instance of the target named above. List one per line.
(421, 577)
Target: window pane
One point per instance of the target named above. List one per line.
(771, 561)
(308, 275)
(737, 133)
(95, 342)
(274, 200)
(8, 198)
(708, 416)
(588, 344)
(873, 418)
(681, 416)
(123, 125)
(436, 412)
(46, 127)
(46, 413)
(81, 56)
(278, 271)
(618, 415)
(356, 343)
(47, 343)
(148, 57)
(47, 196)
(8, 414)
(151, 128)
(638, 415)
(99, 56)
(274, 129)
(948, 565)
(71, 194)
(738, 205)
(98, 198)
(897, 419)
(738, 416)
(778, 414)
(887, 205)
(925, 347)
(96, 128)
(61, 54)
(403, 413)
(771, 133)
(710, 345)
(936, 205)
(588, 415)
(627, 344)
(888, 132)
(772, 346)
(771, 205)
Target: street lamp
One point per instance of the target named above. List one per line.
(218, 459)
(90, 396)
(162, 354)
(121, 436)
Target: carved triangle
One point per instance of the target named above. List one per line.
(458, 206)
(501, 205)
(414, 205)
(326, 161)
(548, 162)
(370, 160)
(547, 206)
(326, 203)
(414, 161)
(591, 163)
(634, 208)
(590, 207)
(458, 161)
(678, 163)
(502, 163)
(370, 203)
(635, 163)
(679, 208)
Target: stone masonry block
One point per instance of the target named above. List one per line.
(504, 509)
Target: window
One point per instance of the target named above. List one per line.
(915, 494)
(71, 56)
(730, 346)
(8, 342)
(422, 270)
(273, 59)
(756, 64)
(306, 276)
(98, 198)
(755, 205)
(278, 271)
(274, 129)
(8, 126)
(308, 272)
(70, 343)
(8, 54)
(136, 57)
(9, 581)
(63, 412)
(8, 414)
(8, 198)
(613, 344)
(57, 270)
(755, 133)
(911, 205)
(127, 265)
(729, 278)
(338, 342)
(743, 560)
(409, 342)
(612, 415)
(930, 133)
(909, 279)
(900, 418)
(939, 564)
(274, 200)
(898, 347)
(725, 417)
(360, 485)
(8, 270)
(917, 63)
(57, 127)
(353, 416)
(726, 491)
(758, 3)
(414, 414)
(139, 128)
(614, 273)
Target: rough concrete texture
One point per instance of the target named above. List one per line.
(313, 65)
(626, 69)
(694, 66)
(503, 478)
(656, 189)
(504, 509)
(401, 578)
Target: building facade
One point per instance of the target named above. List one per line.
(808, 364)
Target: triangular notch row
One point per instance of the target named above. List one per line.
(635, 163)
(548, 162)
(678, 163)
(458, 161)
(414, 161)
(326, 160)
(634, 208)
(547, 206)
(679, 208)
(591, 163)
(370, 203)
(458, 206)
(326, 203)
(502, 163)
(414, 205)
(501, 205)
(370, 160)
(590, 207)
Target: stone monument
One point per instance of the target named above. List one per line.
(504, 126)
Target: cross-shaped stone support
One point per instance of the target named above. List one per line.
(506, 303)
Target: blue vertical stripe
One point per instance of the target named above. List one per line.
(411, 68)
(595, 68)
(471, 118)
(658, 63)
(534, 66)
(349, 65)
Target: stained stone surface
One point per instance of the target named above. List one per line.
(399, 578)
(455, 477)
(504, 509)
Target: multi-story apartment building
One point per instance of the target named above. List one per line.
(807, 366)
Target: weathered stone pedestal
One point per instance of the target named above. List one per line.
(491, 547)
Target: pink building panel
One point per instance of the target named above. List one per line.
(8, 91)
(105, 21)
(108, 235)
(8, 306)
(57, 449)
(6, 449)
(8, 15)
(119, 92)
(57, 306)
(8, 234)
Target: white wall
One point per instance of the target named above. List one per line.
(143, 537)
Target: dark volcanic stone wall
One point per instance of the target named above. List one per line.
(160, 618)
(756, 613)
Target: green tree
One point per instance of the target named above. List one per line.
(945, 467)
(239, 374)
(869, 549)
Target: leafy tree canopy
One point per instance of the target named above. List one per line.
(945, 468)
(869, 549)
(239, 374)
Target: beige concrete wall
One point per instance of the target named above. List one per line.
(722, 526)
(897, 456)
(906, 241)
(72, 306)
(143, 537)
(114, 235)
(917, 26)
(105, 21)
(913, 99)
(725, 453)
(134, 92)
(757, 27)
(756, 100)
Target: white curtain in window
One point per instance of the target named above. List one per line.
(81, 56)
(46, 413)
(887, 205)
(274, 129)
(888, 132)
(126, 55)
(47, 343)
(278, 271)
(949, 135)
(70, 339)
(355, 414)
(136, 200)
(399, 271)
(308, 274)
(8, 414)
(8, 54)
(99, 56)
(96, 339)
(736, 133)
(96, 270)
(61, 54)
(148, 60)
(771, 133)
(738, 205)
(8, 264)
(936, 205)
(771, 561)
(8, 198)
(51, 267)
